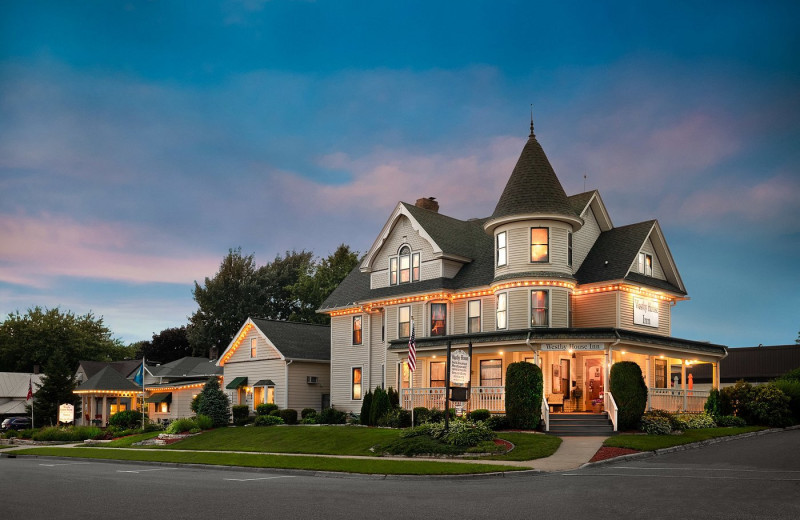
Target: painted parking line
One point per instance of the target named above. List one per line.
(691, 477)
(65, 464)
(260, 478)
(714, 469)
(142, 470)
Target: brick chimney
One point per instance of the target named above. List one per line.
(428, 203)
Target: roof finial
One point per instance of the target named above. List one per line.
(532, 134)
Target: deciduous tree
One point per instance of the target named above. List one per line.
(168, 345)
(317, 282)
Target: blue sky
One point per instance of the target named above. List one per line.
(139, 141)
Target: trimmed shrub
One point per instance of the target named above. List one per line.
(380, 406)
(730, 420)
(240, 414)
(712, 406)
(305, 413)
(421, 415)
(288, 415)
(481, 414)
(734, 400)
(394, 397)
(213, 403)
(366, 405)
(523, 395)
(126, 419)
(791, 387)
(497, 422)
(629, 392)
(332, 416)
(266, 408)
(396, 418)
(55, 433)
(310, 419)
(267, 420)
(770, 407)
(465, 434)
(181, 425)
(204, 422)
(656, 425)
(689, 421)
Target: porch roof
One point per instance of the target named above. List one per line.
(563, 334)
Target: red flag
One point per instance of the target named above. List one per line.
(412, 350)
(30, 390)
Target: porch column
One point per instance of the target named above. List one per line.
(715, 375)
(647, 382)
(683, 382)
(104, 414)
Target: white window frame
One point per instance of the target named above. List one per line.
(530, 251)
(470, 316)
(548, 305)
(360, 319)
(497, 311)
(253, 348)
(501, 256)
(569, 249)
(399, 322)
(645, 268)
(430, 321)
(414, 265)
(353, 383)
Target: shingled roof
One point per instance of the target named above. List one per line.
(187, 367)
(108, 379)
(297, 340)
(533, 187)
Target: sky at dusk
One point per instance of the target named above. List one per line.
(140, 141)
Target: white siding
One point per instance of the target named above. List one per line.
(626, 316)
(344, 356)
(518, 309)
(450, 268)
(658, 271)
(519, 247)
(301, 393)
(403, 233)
(595, 310)
(558, 308)
(254, 371)
(583, 240)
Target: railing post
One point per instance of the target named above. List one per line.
(649, 399)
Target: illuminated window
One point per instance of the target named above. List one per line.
(162, 407)
(258, 396)
(646, 264)
(569, 249)
(501, 311)
(253, 347)
(437, 374)
(405, 264)
(356, 383)
(270, 395)
(492, 372)
(661, 373)
(356, 330)
(474, 316)
(539, 308)
(404, 322)
(403, 374)
(540, 244)
(393, 271)
(415, 267)
(438, 319)
(501, 249)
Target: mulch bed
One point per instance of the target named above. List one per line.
(505, 444)
(607, 452)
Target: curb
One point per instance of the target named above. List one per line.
(684, 447)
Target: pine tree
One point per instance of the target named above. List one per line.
(213, 403)
(58, 382)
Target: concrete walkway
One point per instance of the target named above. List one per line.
(573, 453)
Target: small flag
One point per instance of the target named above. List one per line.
(139, 377)
(30, 390)
(412, 350)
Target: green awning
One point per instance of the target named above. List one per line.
(236, 383)
(265, 382)
(160, 397)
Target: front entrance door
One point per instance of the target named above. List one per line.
(594, 384)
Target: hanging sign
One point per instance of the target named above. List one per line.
(459, 368)
(572, 346)
(645, 312)
(66, 413)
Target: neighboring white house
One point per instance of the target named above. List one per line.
(14, 391)
(546, 279)
(281, 362)
(172, 386)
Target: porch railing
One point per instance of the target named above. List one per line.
(676, 399)
(545, 414)
(610, 406)
(492, 398)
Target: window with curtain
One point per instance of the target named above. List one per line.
(405, 264)
(540, 245)
(474, 316)
(661, 373)
(393, 271)
(356, 383)
(438, 319)
(356, 330)
(501, 310)
(569, 249)
(415, 267)
(492, 372)
(539, 308)
(404, 322)
(437, 374)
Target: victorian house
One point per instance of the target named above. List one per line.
(546, 278)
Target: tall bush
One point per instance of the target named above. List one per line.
(366, 406)
(523, 395)
(735, 400)
(712, 406)
(791, 387)
(214, 403)
(770, 407)
(266, 408)
(394, 397)
(126, 419)
(630, 393)
(380, 406)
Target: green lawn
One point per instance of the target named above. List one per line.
(318, 440)
(127, 441)
(254, 460)
(528, 446)
(657, 442)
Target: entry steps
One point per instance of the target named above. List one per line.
(580, 424)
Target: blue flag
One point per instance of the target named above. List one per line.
(139, 377)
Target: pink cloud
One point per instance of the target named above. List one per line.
(36, 249)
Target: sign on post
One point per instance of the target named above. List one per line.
(459, 375)
(66, 413)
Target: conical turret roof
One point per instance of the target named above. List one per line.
(533, 190)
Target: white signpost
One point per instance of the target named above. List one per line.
(66, 413)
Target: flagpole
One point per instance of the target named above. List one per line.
(411, 370)
(142, 408)
(30, 396)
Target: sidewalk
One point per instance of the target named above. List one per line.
(573, 452)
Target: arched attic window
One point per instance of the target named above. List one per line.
(404, 267)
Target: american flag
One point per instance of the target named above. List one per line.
(30, 390)
(412, 350)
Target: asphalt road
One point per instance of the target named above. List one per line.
(756, 477)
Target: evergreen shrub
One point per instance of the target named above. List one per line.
(266, 408)
(712, 405)
(204, 422)
(366, 405)
(307, 412)
(421, 415)
(481, 414)
(332, 416)
(394, 397)
(497, 422)
(629, 392)
(181, 425)
(523, 395)
(213, 403)
(267, 420)
(791, 387)
(735, 400)
(396, 418)
(770, 407)
(126, 419)
(240, 414)
(730, 420)
(380, 406)
(288, 415)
